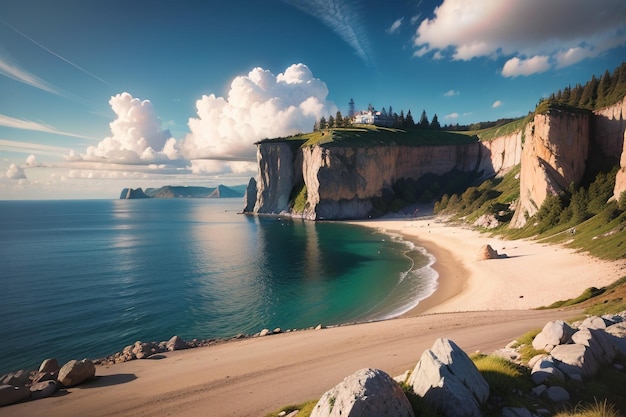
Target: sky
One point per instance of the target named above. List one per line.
(96, 96)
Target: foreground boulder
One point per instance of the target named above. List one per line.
(449, 381)
(76, 372)
(366, 393)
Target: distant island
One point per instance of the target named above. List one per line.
(179, 191)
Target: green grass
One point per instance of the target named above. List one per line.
(608, 307)
(504, 130)
(305, 409)
(370, 135)
(504, 377)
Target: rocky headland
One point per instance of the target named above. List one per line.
(553, 148)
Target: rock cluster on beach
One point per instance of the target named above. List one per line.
(49, 378)
(448, 381)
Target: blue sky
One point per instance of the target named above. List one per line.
(96, 96)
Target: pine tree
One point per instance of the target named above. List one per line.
(589, 94)
(434, 124)
(604, 90)
(424, 120)
(408, 121)
(339, 119)
(574, 98)
(331, 122)
(323, 125)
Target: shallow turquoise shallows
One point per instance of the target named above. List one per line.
(86, 278)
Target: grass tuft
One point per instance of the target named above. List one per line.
(504, 377)
(598, 409)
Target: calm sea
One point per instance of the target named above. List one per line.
(86, 278)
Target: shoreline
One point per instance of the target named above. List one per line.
(530, 275)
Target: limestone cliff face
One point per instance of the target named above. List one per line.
(608, 125)
(501, 154)
(554, 155)
(348, 178)
(341, 181)
(610, 128)
(277, 175)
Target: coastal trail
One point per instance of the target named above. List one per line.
(252, 377)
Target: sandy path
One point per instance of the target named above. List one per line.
(255, 376)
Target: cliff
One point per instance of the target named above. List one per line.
(557, 148)
(554, 155)
(342, 180)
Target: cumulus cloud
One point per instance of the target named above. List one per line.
(496, 104)
(395, 26)
(561, 31)
(31, 161)
(516, 66)
(451, 93)
(258, 106)
(452, 116)
(15, 172)
(136, 136)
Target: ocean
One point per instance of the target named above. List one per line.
(84, 278)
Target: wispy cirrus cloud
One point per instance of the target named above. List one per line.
(8, 121)
(343, 17)
(11, 70)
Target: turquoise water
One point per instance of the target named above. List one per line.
(86, 278)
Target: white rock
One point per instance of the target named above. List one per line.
(366, 393)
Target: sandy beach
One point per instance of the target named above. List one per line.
(531, 275)
(481, 305)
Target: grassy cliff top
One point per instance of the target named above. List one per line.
(370, 135)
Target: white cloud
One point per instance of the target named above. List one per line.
(15, 173)
(136, 136)
(516, 66)
(565, 31)
(496, 104)
(453, 116)
(395, 26)
(259, 105)
(31, 161)
(451, 93)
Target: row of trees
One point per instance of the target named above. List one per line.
(385, 117)
(596, 93)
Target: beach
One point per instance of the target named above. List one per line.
(481, 305)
